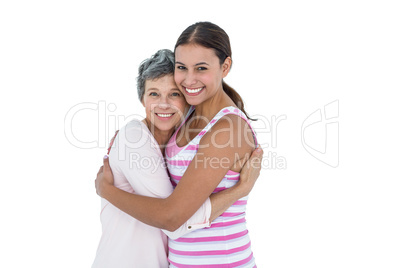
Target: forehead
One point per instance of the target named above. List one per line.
(192, 53)
(164, 82)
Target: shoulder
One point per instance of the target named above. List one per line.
(134, 131)
(231, 130)
(134, 125)
(135, 135)
(232, 117)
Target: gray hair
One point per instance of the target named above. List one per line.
(160, 64)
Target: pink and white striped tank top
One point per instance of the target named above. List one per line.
(226, 243)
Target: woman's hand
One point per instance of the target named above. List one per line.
(104, 178)
(250, 171)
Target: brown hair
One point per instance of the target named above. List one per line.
(210, 35)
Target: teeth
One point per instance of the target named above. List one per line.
(193, 90)
(164, 115)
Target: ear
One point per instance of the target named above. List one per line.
(227, 64)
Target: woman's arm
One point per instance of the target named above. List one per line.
(220, 202)
(199, 181)
(138, 167)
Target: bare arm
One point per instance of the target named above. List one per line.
(194, 188)
(220, 202)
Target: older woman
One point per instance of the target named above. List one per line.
(138, 167)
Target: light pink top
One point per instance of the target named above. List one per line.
(138, 166)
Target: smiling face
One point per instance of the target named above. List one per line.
(198, 72)
(164, 103)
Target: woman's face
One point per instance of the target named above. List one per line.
(164, 103)
(198, 73)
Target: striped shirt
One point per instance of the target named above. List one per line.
(226, 242)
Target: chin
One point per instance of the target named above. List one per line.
(165, 127)
(194, 101)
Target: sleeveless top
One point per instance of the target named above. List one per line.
(226, 242)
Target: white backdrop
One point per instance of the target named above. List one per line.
(322, 76)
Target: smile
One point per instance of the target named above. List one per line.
(193, 90)
(164, 115)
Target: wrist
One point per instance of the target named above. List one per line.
(238, 190)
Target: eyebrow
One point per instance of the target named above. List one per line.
(156, 89)
(200, 63)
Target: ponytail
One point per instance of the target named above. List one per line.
(235, 98)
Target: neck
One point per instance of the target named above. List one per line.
(209, 108)
(161, 136)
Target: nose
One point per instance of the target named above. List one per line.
(190, 79)
(163, 103)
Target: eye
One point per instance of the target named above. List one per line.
(201, 68)
(176, 94)
(153, 94)
(180, 67)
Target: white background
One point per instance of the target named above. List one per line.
(290, 58)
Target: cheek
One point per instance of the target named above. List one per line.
(180, 104)
(148, 106)
(178, 78)
(208, 79)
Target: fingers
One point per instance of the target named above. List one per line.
(258, 152)
(256, 158)
(100, 170)
(106, 163)
(245, 161)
